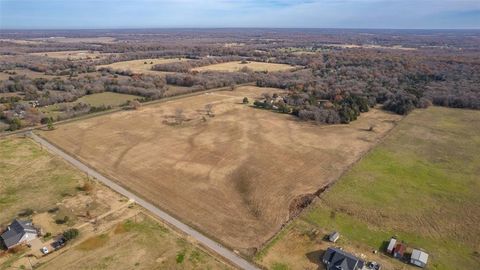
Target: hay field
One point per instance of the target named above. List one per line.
(421, 184)
(237, 65)
(234, 176)
(139, 66)
(74, 55)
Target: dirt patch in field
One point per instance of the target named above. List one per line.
(233, 175)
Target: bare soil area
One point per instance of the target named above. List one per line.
(234, 175)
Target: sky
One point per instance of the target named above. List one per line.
(90, 14)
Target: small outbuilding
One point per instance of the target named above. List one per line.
(391, 245)
(419, 258)
(399, 250)
(333, 237)
(19, 232)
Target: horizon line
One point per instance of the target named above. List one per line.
(232, 27)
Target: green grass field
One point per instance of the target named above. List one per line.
(96, 100)
(422, 184)
(107, 99)
(31, 178)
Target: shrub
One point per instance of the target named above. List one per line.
(15, 124)
(63, 220)
(26, 212)
(245, 100)
(53, 210)
(71, 234)
(87, 187)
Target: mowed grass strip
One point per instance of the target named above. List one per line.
(421, 184)
(31, 178)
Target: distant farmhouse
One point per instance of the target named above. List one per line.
(19, 232)
(336, 259)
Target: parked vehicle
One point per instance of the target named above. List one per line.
(59, 243)
(44, 250)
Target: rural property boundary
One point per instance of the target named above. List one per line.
(225, 253)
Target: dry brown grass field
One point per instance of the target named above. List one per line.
(237, 65)
(234, 175)
(139, 66)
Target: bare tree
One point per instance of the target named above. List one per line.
(179, 116)
(135, 104)
(209, 109)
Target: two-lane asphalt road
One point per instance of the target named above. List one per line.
(205, 241)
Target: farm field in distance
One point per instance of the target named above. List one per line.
(99, 99)
(32, 179)
(97, 40)
(142, 65)
(107, 98)
(237, 66)
(248, 166)
(73, 55)
(420, 184)
(26, 72)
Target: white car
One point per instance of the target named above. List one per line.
(44, 250)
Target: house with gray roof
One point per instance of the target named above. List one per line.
(19, 232)
(337, 259)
